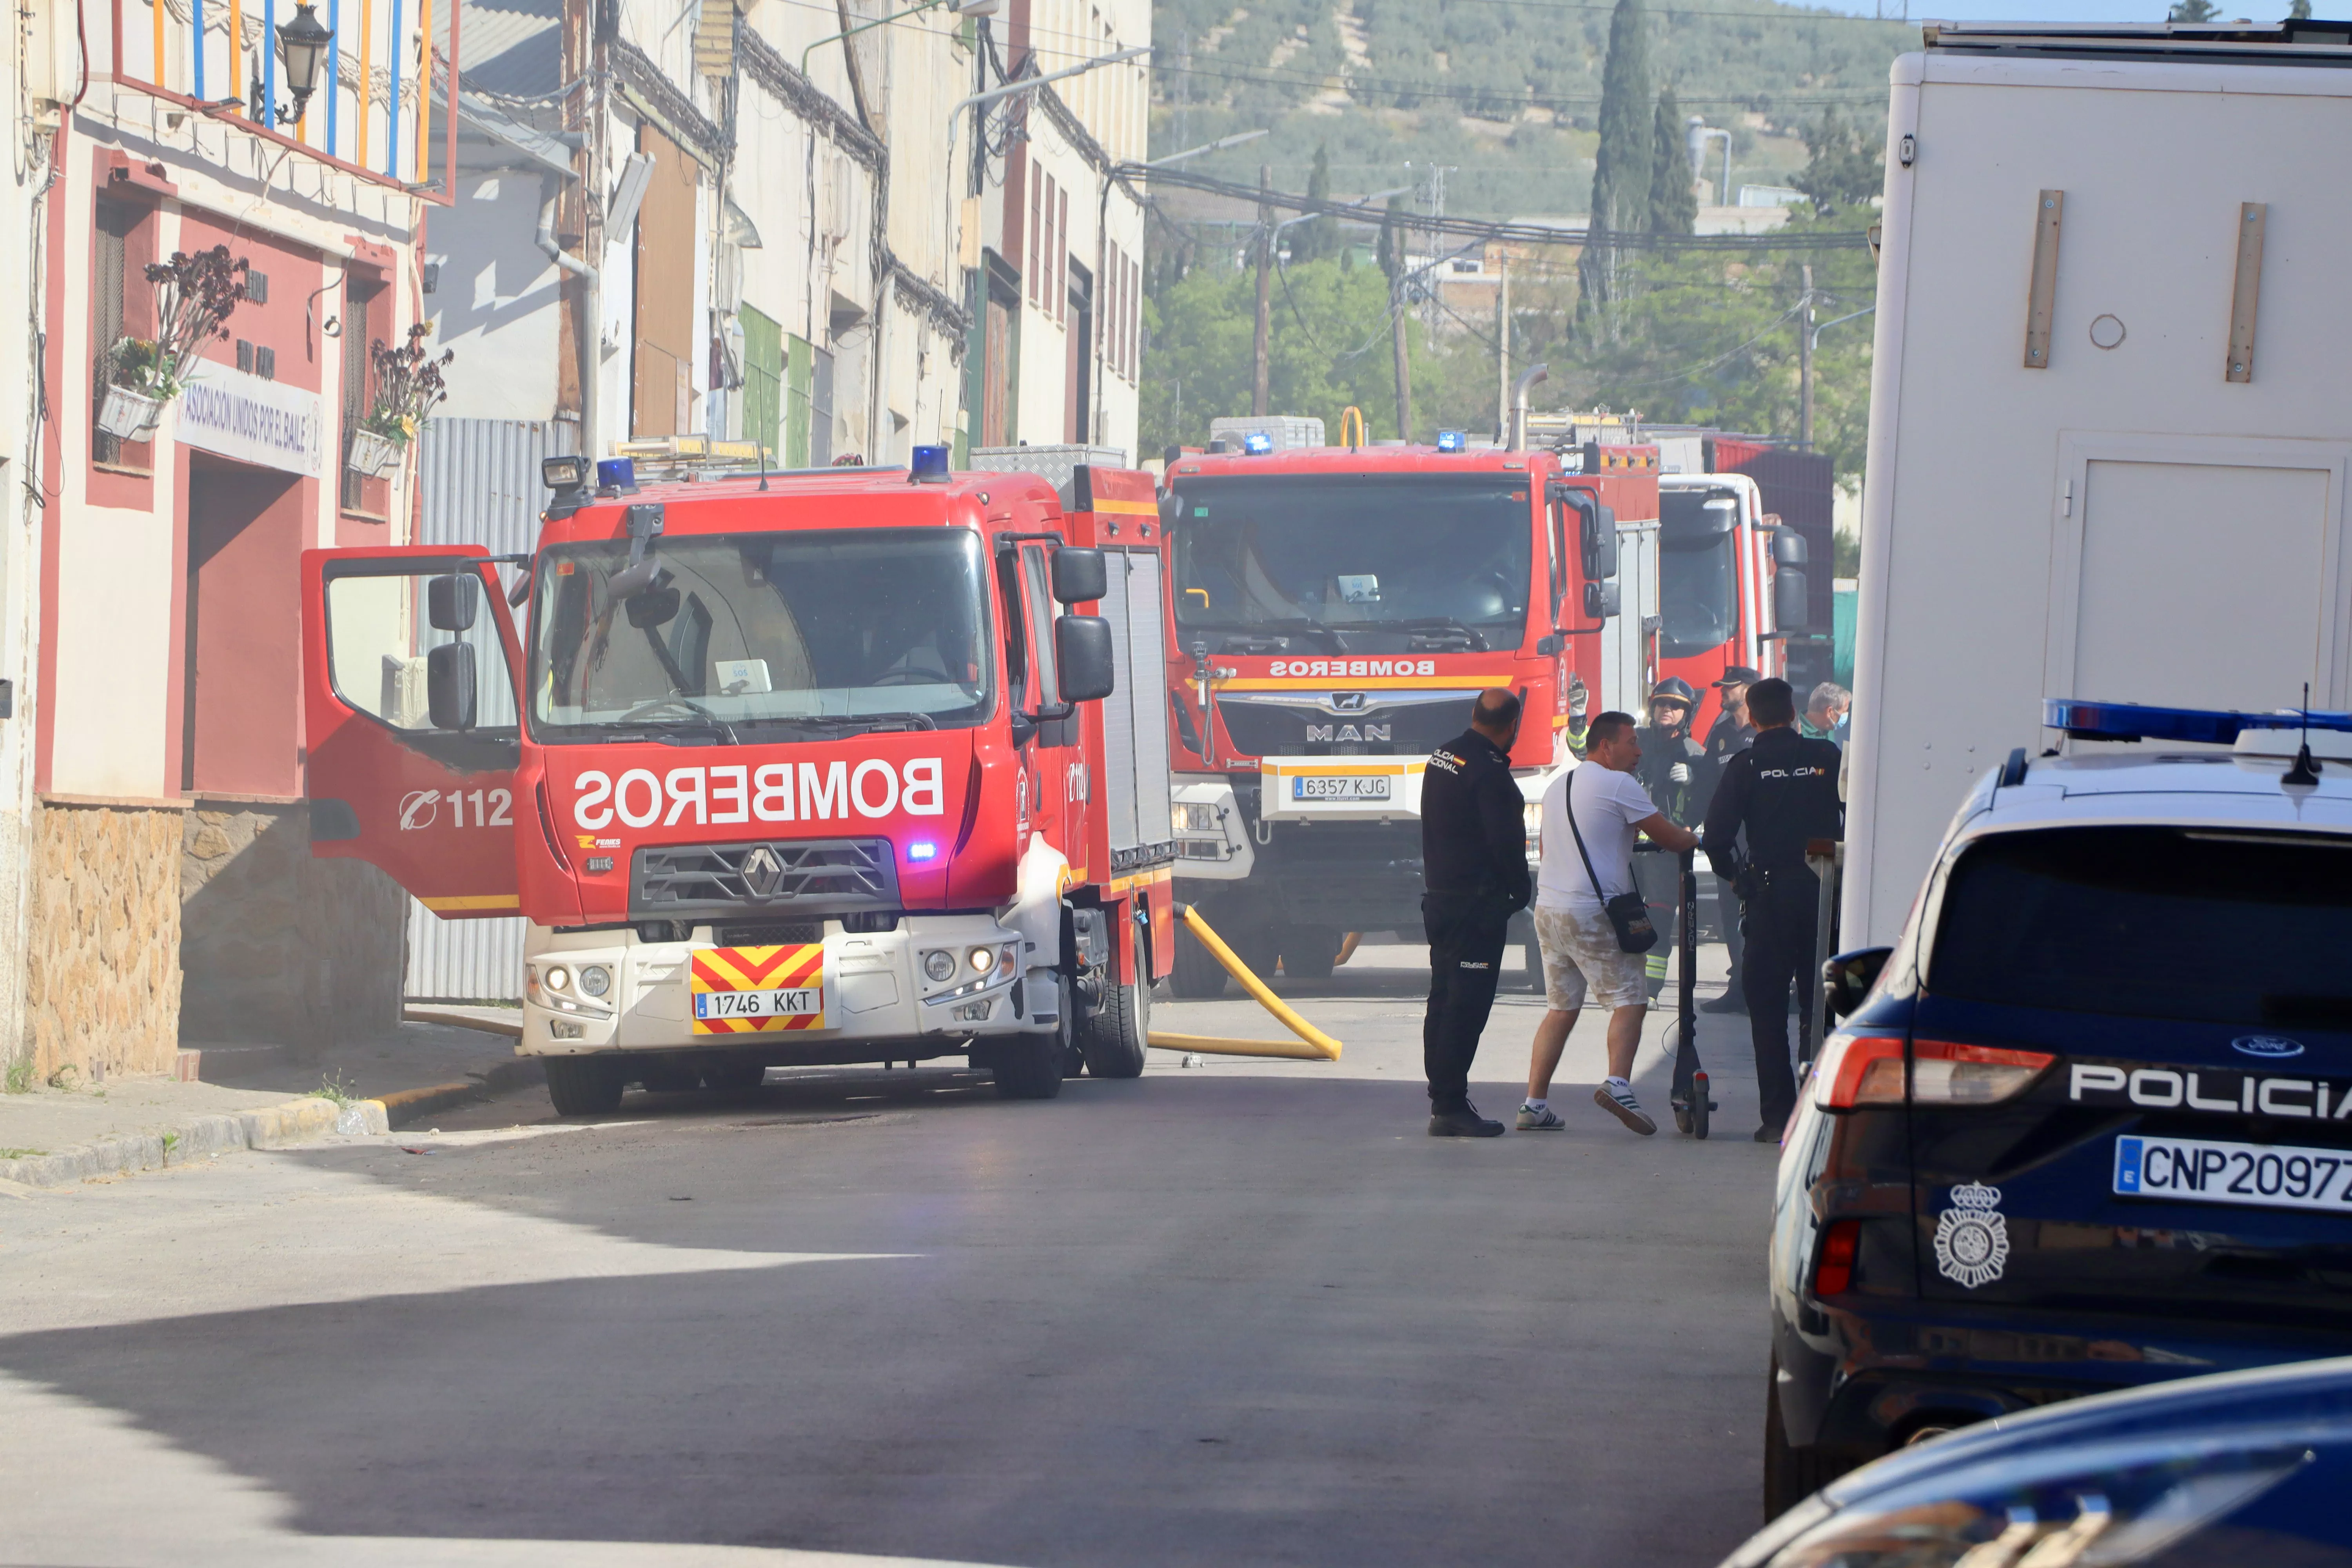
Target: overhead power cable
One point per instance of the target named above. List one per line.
(1516, 232)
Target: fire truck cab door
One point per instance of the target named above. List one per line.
(408, 675)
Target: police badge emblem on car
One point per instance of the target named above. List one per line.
(1972, 1236)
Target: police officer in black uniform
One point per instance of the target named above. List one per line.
(1729, 736)
(1674, 771)
(1774, 798)
(1473, 850)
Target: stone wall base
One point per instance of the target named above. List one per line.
(102, 942)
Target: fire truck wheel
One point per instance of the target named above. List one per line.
(1308, 952)
(1199, 976)
(1114, 1039)
(1028, 1066)
(584, 1086)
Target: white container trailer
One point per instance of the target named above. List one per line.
(2110, 431)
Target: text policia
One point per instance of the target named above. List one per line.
(773, 792)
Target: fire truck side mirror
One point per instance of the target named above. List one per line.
(1172, 507)
(452, 601)
(1080, 574)
(1600, 544)
(1600, 601)
(1081, 654)
(449, 686)
(1788, 548)
(1791, 612)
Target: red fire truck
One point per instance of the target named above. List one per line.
(1731, 583)
(849, 767)
(1333, 613)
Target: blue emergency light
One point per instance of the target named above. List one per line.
(1450, 441)
(922, 849)
(617, 474)
(1257, 443)
(2086, 720)
(929, 465)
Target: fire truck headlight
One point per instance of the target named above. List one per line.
(1197, 818)
(981, 959)
(594, 979)
(939, 966)
(558, 977)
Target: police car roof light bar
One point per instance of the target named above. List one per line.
(2088, 720)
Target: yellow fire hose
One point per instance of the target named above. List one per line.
(1317, 1046)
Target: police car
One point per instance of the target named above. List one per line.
(2088, 1124)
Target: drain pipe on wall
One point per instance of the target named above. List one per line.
(591, 313)
(1520, 405)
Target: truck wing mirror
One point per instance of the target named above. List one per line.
(1172, 507)
(1080, 574)
(1601, 601)
(452, 600)
(645, 522)
(449, 686)
(1847, 978)
(1788, 548)
(655, 607)
(1791, 612)
(1081, 654)
(1598, 541)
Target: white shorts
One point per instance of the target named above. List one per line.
(1580, 951)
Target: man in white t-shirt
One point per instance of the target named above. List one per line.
(1579, 945)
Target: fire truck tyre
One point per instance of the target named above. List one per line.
(584, 1086)
(735, 1076)
(1029, 1067)
(1791, 1474)
(1199, 976)
(1308, 952)
(1114, 1039)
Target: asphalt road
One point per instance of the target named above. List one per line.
(1240, 1313)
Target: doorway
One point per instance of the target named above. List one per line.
(241, 704)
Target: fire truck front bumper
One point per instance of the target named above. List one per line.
(919, 990)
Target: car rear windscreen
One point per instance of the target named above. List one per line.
(2153, 923)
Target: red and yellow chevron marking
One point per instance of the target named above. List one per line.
(719, 969)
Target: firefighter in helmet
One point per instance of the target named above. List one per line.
(1674, 771)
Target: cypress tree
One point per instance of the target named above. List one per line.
(1674, 206)
(1621, 173)
(1318, 236)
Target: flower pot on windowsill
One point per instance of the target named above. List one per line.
(373, 455)
(128, 415)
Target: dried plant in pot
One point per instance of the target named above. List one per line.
(408, 382)
(195, 297)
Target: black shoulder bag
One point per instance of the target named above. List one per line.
(1626, 911)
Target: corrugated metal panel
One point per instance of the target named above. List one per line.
(481, 484)
(1147, 667)
(1118, 710)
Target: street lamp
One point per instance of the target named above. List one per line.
(302, 44)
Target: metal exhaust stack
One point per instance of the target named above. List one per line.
(1520, 405)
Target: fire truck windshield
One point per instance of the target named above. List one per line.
(1698, 597)
(746, 636)
(1378, 564)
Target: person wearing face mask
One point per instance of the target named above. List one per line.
(1674, 771)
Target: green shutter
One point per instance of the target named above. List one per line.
(763, 378)
(799, 397)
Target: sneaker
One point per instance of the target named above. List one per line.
(1621, 1104)
(1768, 1135)
(1464, 1123)
(1730, 1002)
(1546, 1119)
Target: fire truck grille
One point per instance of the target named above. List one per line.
(1405, 729)
(813, 876)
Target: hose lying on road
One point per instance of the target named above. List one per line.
(1317, 1046)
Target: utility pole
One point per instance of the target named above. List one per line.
(1805, 363)
(1403, 362)
(1503, 347)
(1259, 404)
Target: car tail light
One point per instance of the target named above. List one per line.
(1833, 1274)
(1859, 1069)
(1946, 1073)
(1868, 1070)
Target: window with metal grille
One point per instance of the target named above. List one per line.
(115, 222)
(359, 322)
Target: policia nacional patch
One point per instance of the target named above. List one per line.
(1972, 1236)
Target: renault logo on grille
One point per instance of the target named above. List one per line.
(1349, 701)
(762, 872)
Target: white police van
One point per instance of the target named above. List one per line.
(2091, 1125)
